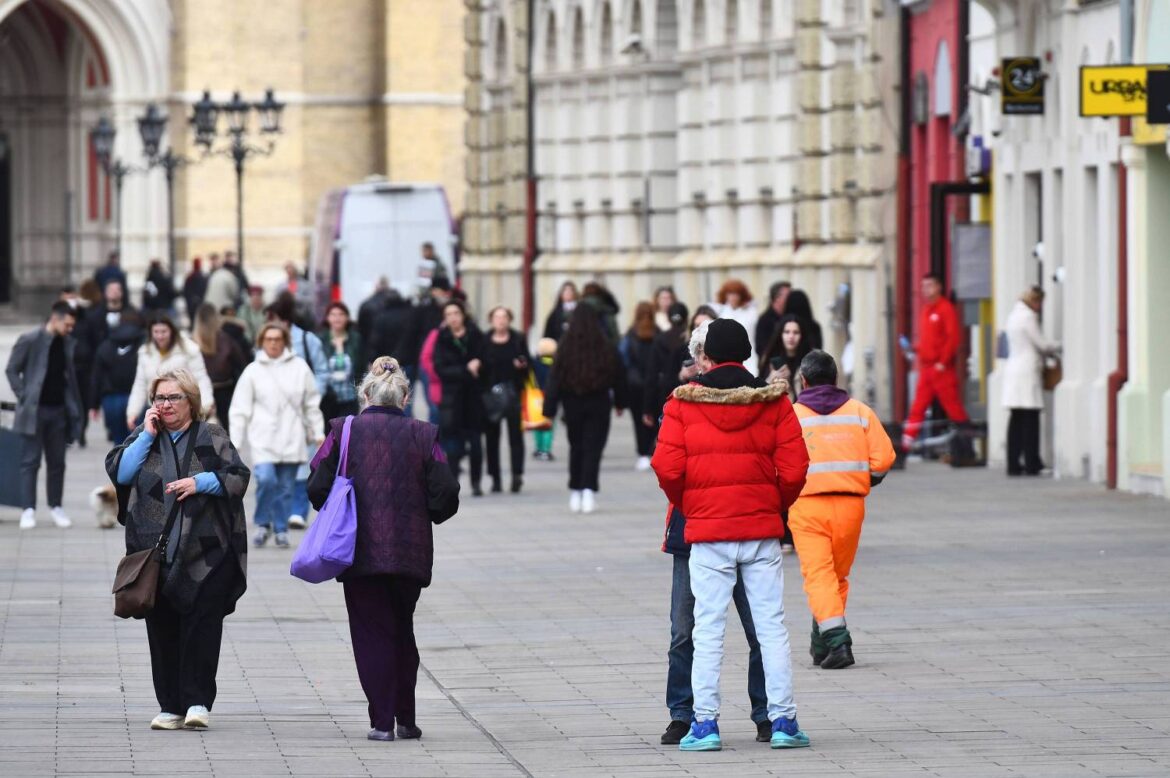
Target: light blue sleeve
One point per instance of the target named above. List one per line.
(317, 361)
(207, 483)
(133, 457)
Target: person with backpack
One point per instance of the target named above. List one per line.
(112, 377)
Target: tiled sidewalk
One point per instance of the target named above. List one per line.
(1001, 628)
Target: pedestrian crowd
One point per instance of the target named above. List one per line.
(737, 410)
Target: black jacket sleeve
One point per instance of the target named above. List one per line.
(321, 478)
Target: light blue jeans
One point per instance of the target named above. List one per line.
(713, 569)
(274, 491)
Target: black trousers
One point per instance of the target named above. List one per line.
(587, 423)
(51, 438)
(460, 443)
(1023, 440)
(184, 647)
(644, 436)
(491, 433)
(223, 401)
(381, 627)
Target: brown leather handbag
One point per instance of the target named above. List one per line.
(1053, 374)
(136, 581)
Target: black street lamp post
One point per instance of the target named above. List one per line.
(205, 117)
(101, 138)
(151, 127)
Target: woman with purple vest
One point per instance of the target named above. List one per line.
(402, 484)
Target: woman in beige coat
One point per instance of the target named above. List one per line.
(165, 351)
(1023, 388)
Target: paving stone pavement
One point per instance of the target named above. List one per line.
(1002, 628)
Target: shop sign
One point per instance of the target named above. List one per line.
(1115, 90)
(1022, 86)
(1158, 97)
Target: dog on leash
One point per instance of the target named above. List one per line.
(104, 501)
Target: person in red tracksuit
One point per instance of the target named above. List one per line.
(937, 347)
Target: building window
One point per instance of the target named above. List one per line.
(636, 18)
(550, 44)
(765, 19)
(606, 35)
(578, 40)
(501, 58)
(699, 26)
(665, 29)
(731, 22)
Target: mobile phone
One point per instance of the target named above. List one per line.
(688, 363)
(776, 362)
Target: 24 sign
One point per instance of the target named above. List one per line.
(1115, 90)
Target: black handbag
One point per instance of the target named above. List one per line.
(136, 580)
(501, 399)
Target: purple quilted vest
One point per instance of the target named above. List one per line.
(387, 452)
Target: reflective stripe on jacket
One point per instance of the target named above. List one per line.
(846, 449)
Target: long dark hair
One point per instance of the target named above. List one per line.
(776, 345)
(585, 361)
(799, 305)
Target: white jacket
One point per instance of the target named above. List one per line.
(1027, 347)
(151, 362)
(747, 316)
(276, 409)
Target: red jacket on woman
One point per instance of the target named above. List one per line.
(731, 455)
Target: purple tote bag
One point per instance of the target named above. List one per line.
(327, 548)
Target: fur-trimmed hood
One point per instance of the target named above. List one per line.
(740, 395)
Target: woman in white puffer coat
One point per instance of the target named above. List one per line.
(1023, 388)
(276, 412)
(167, 350)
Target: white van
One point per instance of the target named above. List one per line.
(376, 229)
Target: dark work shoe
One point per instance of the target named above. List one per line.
(409, 733)
(517, 484)
(496, 488)
(476, 491)
(838, 658)
(677, 730)
(817, 649)
(380, 734)
(763, 732)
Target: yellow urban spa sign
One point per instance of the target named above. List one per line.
(1115, 90)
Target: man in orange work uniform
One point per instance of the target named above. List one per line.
(938, 344)
(849, 452)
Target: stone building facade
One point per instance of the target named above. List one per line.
(684, 142)
(373, 87)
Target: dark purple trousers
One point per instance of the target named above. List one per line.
(381, 626)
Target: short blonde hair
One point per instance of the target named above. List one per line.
(385, 384)
(187, 384)
(273, 325)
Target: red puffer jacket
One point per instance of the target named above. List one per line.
(732, 458)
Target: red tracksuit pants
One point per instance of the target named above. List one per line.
(932, 384)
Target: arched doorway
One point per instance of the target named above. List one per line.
(64, 63)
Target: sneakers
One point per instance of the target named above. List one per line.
(59, 517)
(408, 733)
(786, 734)
(643, 464)
(167, 721)
(282, 540)
(297, 521)
(197, 717)
(575, 499)
(588, 503)
(675, 731)
(704, 736)
(260, 537)
(380, 734)
(28, 519)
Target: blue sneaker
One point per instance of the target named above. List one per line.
(704, 736)
(786, 734)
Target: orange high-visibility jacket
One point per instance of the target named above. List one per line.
(848, 449)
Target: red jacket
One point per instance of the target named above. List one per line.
(733, 459)
(938, 333)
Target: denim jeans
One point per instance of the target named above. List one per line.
(679, 698)
(714, 567)
(274, 490)
(298, 504)
(114, 414)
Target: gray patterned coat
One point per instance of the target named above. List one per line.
(212, 528)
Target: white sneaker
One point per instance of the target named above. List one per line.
(574, 501)
(197, 717)
(588, 505)
(296, 522)
(167, 721)
(643, 464)
(28, 519)
(59, 517)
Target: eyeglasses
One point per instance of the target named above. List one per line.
(173, 399)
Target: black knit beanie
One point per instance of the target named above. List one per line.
(727, 341)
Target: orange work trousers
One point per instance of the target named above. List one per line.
(826, 529)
